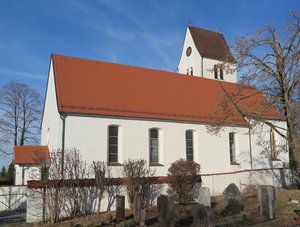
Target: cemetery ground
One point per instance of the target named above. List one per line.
(184, 213)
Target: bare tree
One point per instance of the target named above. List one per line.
(269, 59)
(137, 178)
(20, 109)
(101, 172)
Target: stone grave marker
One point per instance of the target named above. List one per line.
(166, 210)
(266, 197)
(232, 200)
(203, 216)
(204, 196)
(139, 213)
(120, 208)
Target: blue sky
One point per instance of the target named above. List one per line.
(141, 33)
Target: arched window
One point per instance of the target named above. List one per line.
(221, 73)
(273, 145)
(192, 71)
(216, 71)
(113, 132)
(232, 147)
(189, 145)
(154, 145)
(48, 136)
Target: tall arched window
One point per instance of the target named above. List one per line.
(216, 71)
(221, 73)
(273, 145)
(154, 145)
(113, 143)
(232, 147)
(189, 145)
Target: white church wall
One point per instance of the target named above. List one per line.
(218, 182)
(89, 135)
(229, 74)
(51, 124)
(260, 138)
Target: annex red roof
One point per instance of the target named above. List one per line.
(31, 154)
(93, 87)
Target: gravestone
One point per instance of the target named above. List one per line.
(203, 216)
(139, 213)
(120, 208)
(166, 210)
(204, 196)
(232, 200)
(266, 197)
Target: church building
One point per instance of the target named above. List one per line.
(113, 112)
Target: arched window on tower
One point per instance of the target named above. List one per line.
(221, 73)
(216, 71)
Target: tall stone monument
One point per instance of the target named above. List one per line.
(266, 197)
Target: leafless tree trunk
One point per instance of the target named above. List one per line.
(136, 174)
(101, 172)
(269, 59)
(20, 111)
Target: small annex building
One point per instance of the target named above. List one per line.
(112, 112)
(31, 163)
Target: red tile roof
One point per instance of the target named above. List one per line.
(211, 44)
(93, 87)
(31, 154)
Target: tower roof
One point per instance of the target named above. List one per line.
(211, 44)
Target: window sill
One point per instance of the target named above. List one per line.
(156, 164)
(275, 159)
(234, 164)
(114, 164)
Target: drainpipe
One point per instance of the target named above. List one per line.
(250, 146)
(63, 117)
(202, 66)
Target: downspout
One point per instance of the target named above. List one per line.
(63, 117)
(202, 66)
(250, 146)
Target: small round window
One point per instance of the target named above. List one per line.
(188, 51)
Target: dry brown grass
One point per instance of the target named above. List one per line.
(284, 211)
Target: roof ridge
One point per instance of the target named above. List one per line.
(112, 63)
(179, 75)
(204, 29)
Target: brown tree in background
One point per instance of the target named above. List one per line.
(269, 59)
(137, 175)
(102, 173)
(184, 176)
(20, 113)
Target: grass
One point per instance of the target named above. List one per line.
(183, 213)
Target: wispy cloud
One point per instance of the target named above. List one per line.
(4, 72)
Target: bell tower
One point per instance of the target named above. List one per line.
(206, 54)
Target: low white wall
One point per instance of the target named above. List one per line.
(13, 197)
(218, 182)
